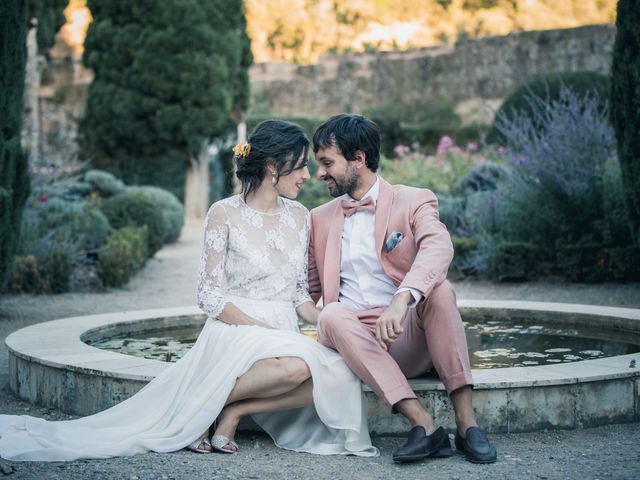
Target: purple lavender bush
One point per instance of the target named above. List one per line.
(560, 209)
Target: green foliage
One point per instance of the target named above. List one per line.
(166, 77)
(308, 124)
(57, 219)
(169, 205)
(136, 209)
(47, 268)
(70, 190)
(50, 16)
(313, 194)
(105, 183)
(124, 254)
(14, 178)
(26, 277)
(625, 103)
(560, 198)
(547, 87)
(515, 261)
(425, 122)
(115, 262)
(439, 172)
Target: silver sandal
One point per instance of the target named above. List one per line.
(219, 441)
(195, 445)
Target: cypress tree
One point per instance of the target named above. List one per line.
(14, 179)
(625, 103)
(165, 76)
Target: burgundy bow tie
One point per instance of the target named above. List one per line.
(349, 207)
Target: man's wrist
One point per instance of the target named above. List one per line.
(402, 298)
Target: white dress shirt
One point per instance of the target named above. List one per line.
(363, 283)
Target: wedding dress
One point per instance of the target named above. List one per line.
(256, 261)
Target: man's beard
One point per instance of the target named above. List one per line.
(347, 184)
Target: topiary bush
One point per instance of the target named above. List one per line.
(136, 209)
(105, 183)
(172, 209)
(547, 87)
(115, 262)
(124, 254)
(58, 218)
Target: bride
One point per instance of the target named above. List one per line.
(250, 358)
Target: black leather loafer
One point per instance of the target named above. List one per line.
(419, 445)
(476, 446)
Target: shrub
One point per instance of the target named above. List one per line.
(452, 213)
(437, 172)
(463, 247)
(547, 88)
(481, 178)
(560, 182)
(515, 261)
(69, 190)
(137, 238)
(171, 208)
(26, 278)
(426, 122)
(114, 265)
(79, 220)
(135, 209)
(124, 254)
(48, 267)
(313, 194)
(105, 183)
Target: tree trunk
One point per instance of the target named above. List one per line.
(33, 76)
(196, 191)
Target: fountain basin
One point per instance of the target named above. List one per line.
(50, 364)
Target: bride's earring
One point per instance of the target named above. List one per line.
(273, 178)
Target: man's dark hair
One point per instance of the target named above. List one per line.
(350, 133)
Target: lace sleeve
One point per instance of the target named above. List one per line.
(212, 262)
(302, 281)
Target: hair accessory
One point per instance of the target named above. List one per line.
(242, 150)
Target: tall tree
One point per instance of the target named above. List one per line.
(625, 103)
(163, 86)
(15, 18)
(14, 179)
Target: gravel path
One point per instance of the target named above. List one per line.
(169, 281)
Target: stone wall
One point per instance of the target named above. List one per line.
(473, 74)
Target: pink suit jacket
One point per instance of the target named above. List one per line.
(419, 261)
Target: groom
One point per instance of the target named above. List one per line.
(379, 256)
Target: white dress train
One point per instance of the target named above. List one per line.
(257, 262)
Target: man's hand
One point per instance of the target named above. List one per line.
(389, 325)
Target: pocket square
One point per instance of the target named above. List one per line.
(392, 241)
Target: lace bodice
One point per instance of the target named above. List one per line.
(253, 255)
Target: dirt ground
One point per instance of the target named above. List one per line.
(169, 280)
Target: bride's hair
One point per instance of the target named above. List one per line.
(271, 141)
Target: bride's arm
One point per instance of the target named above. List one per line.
(211, 281)
(234, 316)
(305, 307)
(308, 312)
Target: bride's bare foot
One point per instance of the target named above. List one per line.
(227, 423)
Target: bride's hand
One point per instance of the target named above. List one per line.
(308, 312)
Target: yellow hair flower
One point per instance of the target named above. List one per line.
(242, 150)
